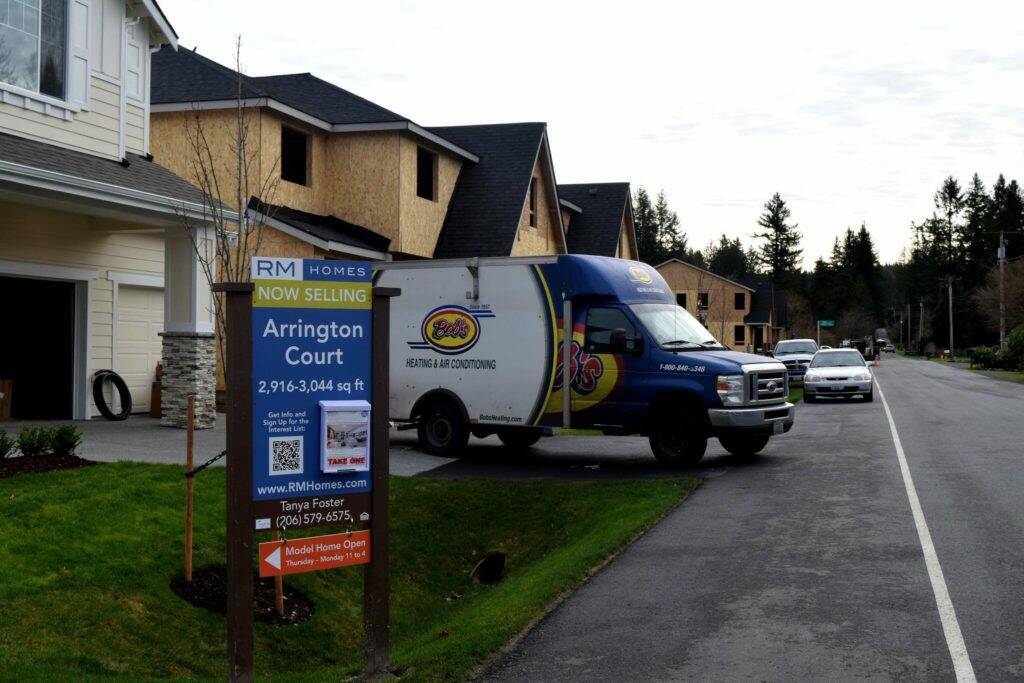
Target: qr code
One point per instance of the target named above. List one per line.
(285, 455)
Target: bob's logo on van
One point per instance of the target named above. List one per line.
(640, 274)
(451, 329)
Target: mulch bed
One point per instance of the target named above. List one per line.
(209, 590)
(9, 467)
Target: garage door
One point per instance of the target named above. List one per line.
(140, 319)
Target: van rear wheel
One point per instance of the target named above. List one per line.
(519, 438)
(441, 430)
(678, 442)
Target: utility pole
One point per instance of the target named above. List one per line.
(1002, 300)
(910, 320)
(949, 288)
(920, 320)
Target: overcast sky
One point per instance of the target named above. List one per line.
(853, 112)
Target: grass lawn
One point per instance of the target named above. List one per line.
(87, 556)
(796, 394)
(1010, 375)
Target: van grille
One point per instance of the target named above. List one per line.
(768, 387)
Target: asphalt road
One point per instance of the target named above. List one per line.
(807, 564)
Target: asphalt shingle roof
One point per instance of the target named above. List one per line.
(595, 231)
(187, 76)
(483, 215)
(140, 174)
(329, 228)
(761, 301)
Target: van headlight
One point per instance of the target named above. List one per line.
(863, 377)
(730, 389)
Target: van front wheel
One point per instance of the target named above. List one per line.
(744, 446)
(678, 443)
(441, 430)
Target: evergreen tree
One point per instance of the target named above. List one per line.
(727, 258)
(647, 240)
(673, 240)
(780, 252)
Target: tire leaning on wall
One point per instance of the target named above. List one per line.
(98, 380)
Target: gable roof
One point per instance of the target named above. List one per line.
(705, 271)
(597, 228)
(327, 232)
(184, 79)
(487, 203)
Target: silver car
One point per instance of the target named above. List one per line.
(839, 373)
(795, 354)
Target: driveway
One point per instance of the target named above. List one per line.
(810, 563)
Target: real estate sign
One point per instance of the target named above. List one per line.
(826, 323)
(311, 343)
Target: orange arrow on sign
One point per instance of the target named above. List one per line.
(298, 555)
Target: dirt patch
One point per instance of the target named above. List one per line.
(209, 590)
(9, 467)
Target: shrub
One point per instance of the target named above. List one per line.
(66, 439)
(986, 357)
(8, 446)
(35, 441)
(1014, 357)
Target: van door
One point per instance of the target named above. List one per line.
(607, 366)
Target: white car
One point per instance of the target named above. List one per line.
(838, 373)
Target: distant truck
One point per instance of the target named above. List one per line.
(477, 348)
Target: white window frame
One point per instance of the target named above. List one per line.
(64, 106)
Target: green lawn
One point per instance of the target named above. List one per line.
(87, 556)
(796, 394)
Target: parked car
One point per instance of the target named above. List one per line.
(838, 373)
(795, 354)
(476, 348)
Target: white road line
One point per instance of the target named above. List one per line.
(950, 626)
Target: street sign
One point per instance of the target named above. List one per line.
(826, 323)
(311, 343)
(298, 555)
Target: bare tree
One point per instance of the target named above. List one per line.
(986, 297)
(225, 164)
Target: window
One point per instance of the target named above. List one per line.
(739, 300)
(601, 322)
(294, 156)
(33, 45)
(681, 299)
(426, 174)
(533, 202)
(702, 300)
(739, 334)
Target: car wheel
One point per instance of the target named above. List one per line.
(678, 442)
(870, 396)
(519, 438)
(441, 430)
(744, 445)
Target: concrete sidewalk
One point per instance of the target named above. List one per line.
(141, 439)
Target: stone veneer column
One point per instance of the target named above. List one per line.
(190, 367)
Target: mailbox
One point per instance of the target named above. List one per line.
(344, 436)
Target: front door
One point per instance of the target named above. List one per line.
(758, 339)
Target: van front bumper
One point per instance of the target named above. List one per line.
(759, 419)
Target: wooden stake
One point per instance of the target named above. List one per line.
(189, 483)
(278, 582)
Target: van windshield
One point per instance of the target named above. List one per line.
(673, 327)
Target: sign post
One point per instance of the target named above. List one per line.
(376, 586)
(238, 305)
(307, 352)
(824, 323)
